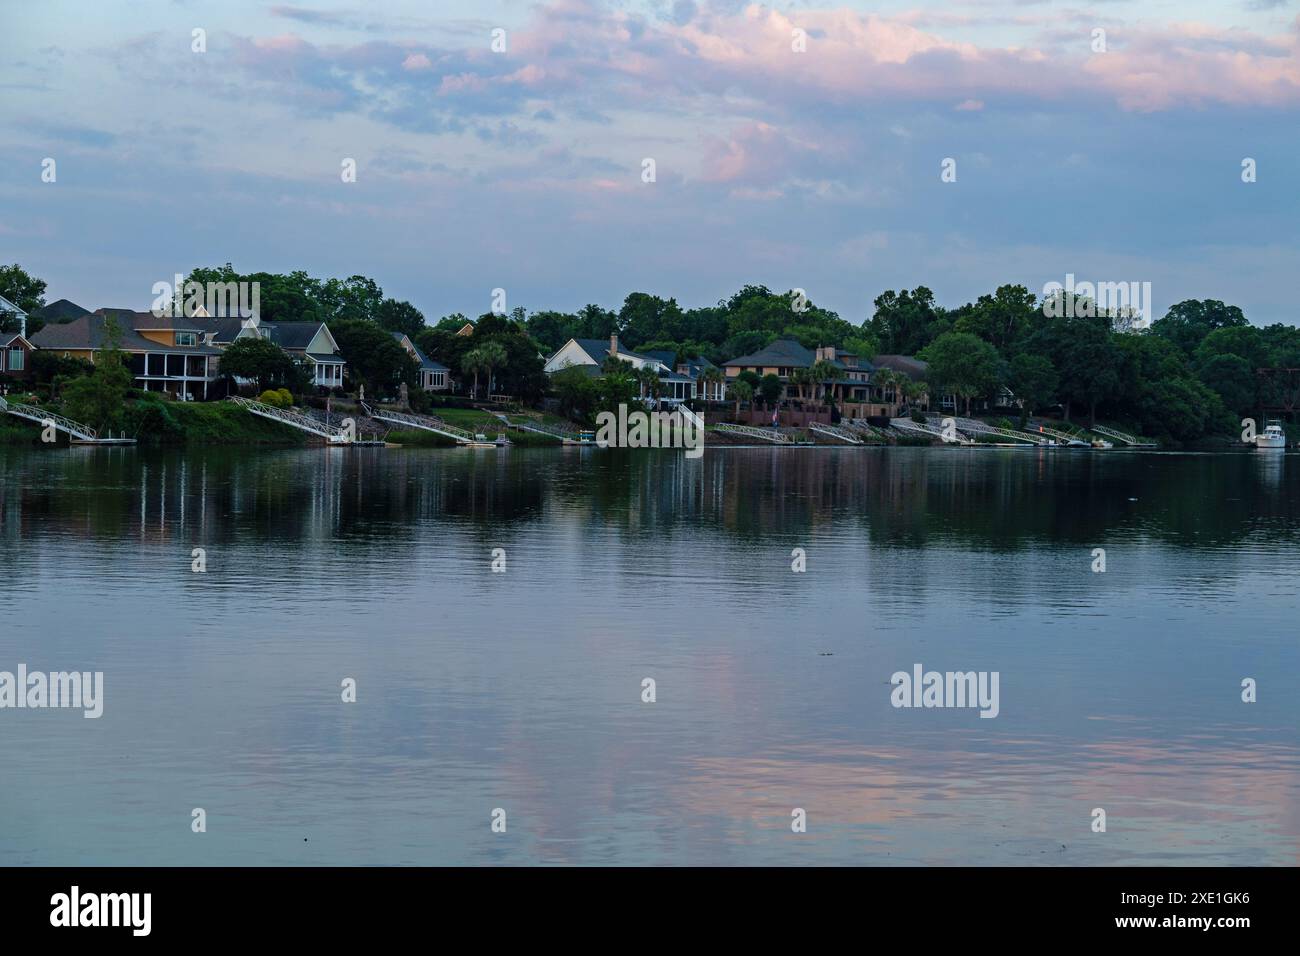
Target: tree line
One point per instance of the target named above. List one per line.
(1191, 373)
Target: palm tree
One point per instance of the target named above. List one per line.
(915, 391)
(800, 377)
(649, 381)
(473, 362)
(743, 392)
(713, 376)
(885, 379)
(823, 372)
(493, 356)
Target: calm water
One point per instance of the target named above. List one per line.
(522, 690)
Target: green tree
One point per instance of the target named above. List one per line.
(742, 391)
(98, 399)
(374, 357)
(769, 387)
(261, 361)
(23, 290)
(1033, 380)
(401, 317)
(964, 364)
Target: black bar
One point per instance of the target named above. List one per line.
(907, 907)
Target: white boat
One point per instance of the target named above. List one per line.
(1272, 437)
(1102, 443)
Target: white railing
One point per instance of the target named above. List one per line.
(870, 431)
(752, 431)
(831, 431)
(933, 431)
(532, 425)
(297, 420)
(31, 412)
(1122, 436)
(427, 423)
(974, 426)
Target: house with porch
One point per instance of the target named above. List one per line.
(434, 376)
(309, 342)
(590, 355)
(784, 357)
(165, 354)
(15, 349)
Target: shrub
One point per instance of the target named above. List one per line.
(273, 398)
(286, 397)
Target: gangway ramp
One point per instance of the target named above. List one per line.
(831, 431)
(333, 434)
(930, 431)
(1130, 440)
(750, 431)
(78, 433)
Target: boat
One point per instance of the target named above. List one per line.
(1102, 443)
(1272, 437)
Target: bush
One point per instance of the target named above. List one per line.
(286, 397)
(274, 398)
(918, 417)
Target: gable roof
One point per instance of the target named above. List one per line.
(426, 363)
(292, 335)
(598, 350)
(62, 310)
(782, 352)
(911, 366)
(13, 337)
(88, 333)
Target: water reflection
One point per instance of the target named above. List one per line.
(522, 689)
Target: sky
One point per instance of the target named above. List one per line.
(794, 145)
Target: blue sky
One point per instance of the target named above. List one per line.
(522, 170)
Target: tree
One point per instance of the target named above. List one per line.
(1001, 319)
(400, 317)
(1033, 380)
(473, 362)
(374, 357)
(23, 290)
(97, 399)
(742, 391)
(494, 357)
(902, 320)
(824, 373)
(575, 390)
(1086, 360)
(260, 360)
(963, 363)
(770, 388)
(1187, 323)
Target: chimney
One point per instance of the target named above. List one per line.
(613, 343)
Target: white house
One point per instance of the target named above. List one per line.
(592, 353)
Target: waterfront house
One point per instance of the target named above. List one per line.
(591, 354)
(784, 357)
(15, 357)
(165, 354)
(696, 368)
(434, 376)
(309, 342)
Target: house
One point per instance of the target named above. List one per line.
(61, 310)
(9, 313)
(434, 376)
(590, 354)
(466, 329)
(15, 356)
(696, 367)
(164, 354)
(784, 357)
(309, 342)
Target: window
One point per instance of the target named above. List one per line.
(187, 338)
(16, 357)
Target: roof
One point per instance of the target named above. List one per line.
(147, 321)
(13, 337)
(227, 330)
(426, 363)
(62, 310)
(88, 332)
(663, 355)
(911, 366)
(324, 358)
(779, 353)
(291, 335)
(598, 350)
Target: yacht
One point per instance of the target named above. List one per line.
(1272, 437)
